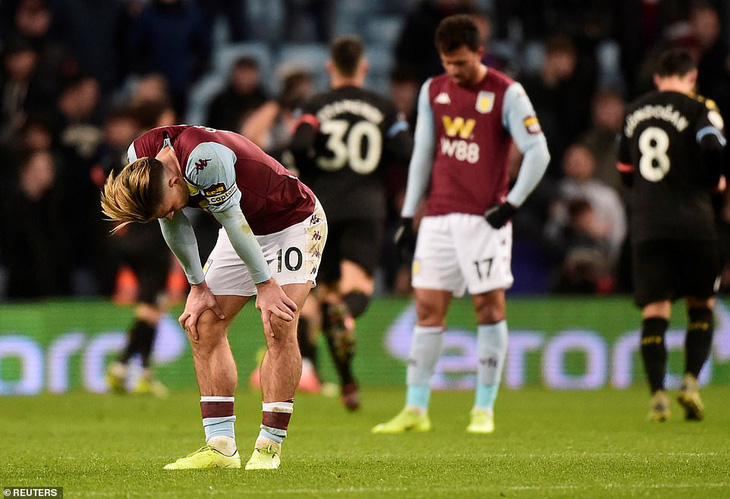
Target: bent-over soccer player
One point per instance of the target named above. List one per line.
(671, 153)
(272, 237)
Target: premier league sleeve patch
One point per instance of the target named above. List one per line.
(218, 194)
(532, 126)
(485, 102)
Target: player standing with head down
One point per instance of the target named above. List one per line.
(467, 121)
(671, 152)
(272, 237)
(344, 141)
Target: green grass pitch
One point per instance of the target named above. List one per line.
(547, 444)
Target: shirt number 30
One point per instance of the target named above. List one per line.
(348, 147)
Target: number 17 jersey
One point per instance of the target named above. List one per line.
(660, 147)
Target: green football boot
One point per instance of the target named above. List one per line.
(482, 422)
(149, 384)
(204, 458)
(116, 374)
(659, 407)
(266, 457)
(407, 420)
(688, 397)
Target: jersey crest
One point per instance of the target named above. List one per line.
(485, 102)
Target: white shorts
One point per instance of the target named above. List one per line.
(456, 252)
(293, 255)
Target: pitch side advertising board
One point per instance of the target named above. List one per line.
(581, 344)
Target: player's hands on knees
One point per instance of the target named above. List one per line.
(272, 300)
(199, 300)
(405, 239)
(499, 214)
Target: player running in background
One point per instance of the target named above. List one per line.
(671, 152)
(343, 143)
(273, 233)
(141, 248)
(467, 121)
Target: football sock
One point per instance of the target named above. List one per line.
(342, 347)
(218, 419)
(275, 420)
(134, 335)
(654, 351)
(146, 333)
(491, 351)
(698, 341)
(306, 346)
(357, 302)
(426, 348)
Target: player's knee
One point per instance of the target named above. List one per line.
(357, 302)
(429, 313)
(491, 314)
(210, 329)
(282, 334)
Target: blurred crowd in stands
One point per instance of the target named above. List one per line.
(80, 79)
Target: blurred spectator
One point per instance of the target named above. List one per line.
(490, 59)
(173, 38)
(233, 12)
(585, 267)
(127, 16)
(241, 96)
(79, 138)
(270, 126)
(713, 77)
(607, 113)
(35, 231)
(151, 87)
(321, 13)
(34, 135)
(404, 88)
(21, 90)
(560, 98)
(579, 182)
(154, 113)
(86, 28)
(534, 254)
(415, 49)
(640, 29)
(32, 22)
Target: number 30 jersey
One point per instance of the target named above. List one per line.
(660, 148)
(344, 140)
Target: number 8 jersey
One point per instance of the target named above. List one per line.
(343, 141)
(660, 148)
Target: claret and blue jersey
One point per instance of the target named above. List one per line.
(462, 143)
(224, 168)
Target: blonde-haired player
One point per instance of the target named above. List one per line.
(272, 236)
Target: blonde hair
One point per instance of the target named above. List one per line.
(134, 194)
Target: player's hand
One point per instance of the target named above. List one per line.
(720, 186)
(272, 300)
(199, 300)
(405, 239)
(499, 214)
